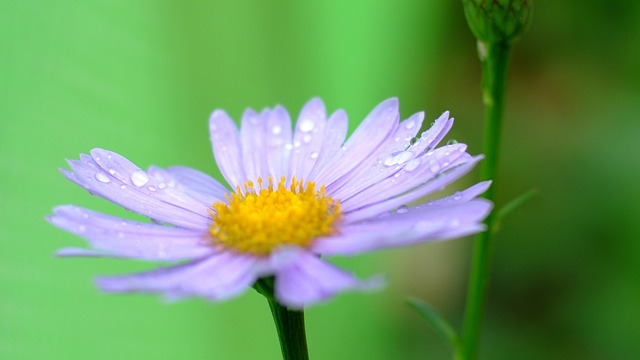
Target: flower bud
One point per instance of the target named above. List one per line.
(498, 21)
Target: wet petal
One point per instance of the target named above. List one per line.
(309, 280)
(116, 237)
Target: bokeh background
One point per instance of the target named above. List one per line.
(141, 77)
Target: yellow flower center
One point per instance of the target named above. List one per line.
(259, 220)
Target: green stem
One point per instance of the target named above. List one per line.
(494, 58)
(289, 323)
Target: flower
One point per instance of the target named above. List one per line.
(298, 196)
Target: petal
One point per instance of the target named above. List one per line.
(252, 138)
(334, 135)
(407, 227)
(217, 277)
(278, 143)
(384, 162)
(117, 237)
(309, 280)
(225, 141)
(373, 130)
(120, 181)
(198, 185)
(408, 175)
(308, 138)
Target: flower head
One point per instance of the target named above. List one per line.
(298, 195)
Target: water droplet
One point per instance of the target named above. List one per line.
(306, 138)
(412, 165)
(314, 154)
(102, 177)
(162, 186)
(409, 124)
(139, 178)
(457, 196)
(152, 188)
(413, 141)
(434, 167)
(452, 142)
(397, 175)
(306, 125)
(109, 156)
(404, 156)
(402, 209)
(123, 186)
(296, 143)
(112, 172)
(288, 147)
(276, 130)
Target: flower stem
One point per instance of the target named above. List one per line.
(494, 58)
(289, 323)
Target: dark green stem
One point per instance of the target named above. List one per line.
(494, 58)
(289, 323)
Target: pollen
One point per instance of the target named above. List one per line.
(257, 220)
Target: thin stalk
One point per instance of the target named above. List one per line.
(289, 324)
(494, 58)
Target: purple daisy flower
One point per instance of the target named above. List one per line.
(298, 195)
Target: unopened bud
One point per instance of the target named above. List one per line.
(498, 21)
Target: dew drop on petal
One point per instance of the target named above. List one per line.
(296, 144)
(306, 125)
(306, 138)
(434, 167)
(403, 157)
(111, 171)
(152, 188)
(162, 186)
(123, 186)
(457, 196)
(409, 124)
(276, 130)
(412, 165)
(452, 142)
(103, 178)
(139, 178)
(402, 209)
(314, 154)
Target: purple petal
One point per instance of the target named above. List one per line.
(226, 147)
(373, 130)
(308, 138)
(278, 142)
(309, 280)
(334, 135)
(129, 186)
(435, 184)
(117, 237)
(217, 277)
(252, 135)
(384, 162)
(406, 227)
(409, 173)
(198, 185)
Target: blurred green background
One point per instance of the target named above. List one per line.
(141, 77)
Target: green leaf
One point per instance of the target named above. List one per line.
(512, 205)
(436, 320)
